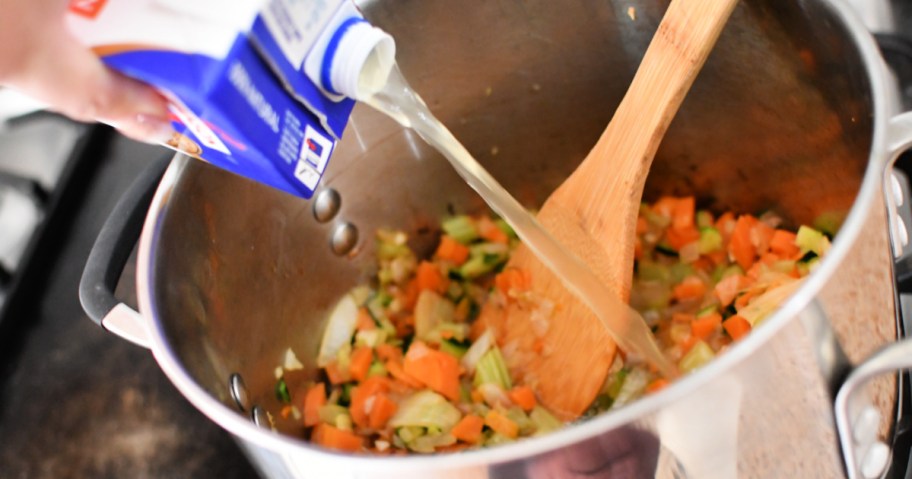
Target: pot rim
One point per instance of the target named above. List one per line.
(239, 425)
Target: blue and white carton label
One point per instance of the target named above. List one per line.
(233, 73)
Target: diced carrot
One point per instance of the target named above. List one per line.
(364, 322)
(737, 327)
(361, 360)
(744, 299)
(335, 438)
(313, 401)
(336, 375)
(656, 385)
(512, 279)
(285, 411)
(523, 396)
(436, 370)
(728, 288)
(740, 246)
(476, 396)
(488, 230)
(452, 250)
(717, 257)
(501, 424)
(679, 237)
(368, 388)
(665, 206)
(683, 213)
(476, 329)
(692, 287)
(761, 235)
(468, 429)
(381, 411)
(387, 351)
(395, 369)
(410, 295)
(783, 244)
(428, 276)
(637, 248)
(705, 325)
(725, 224)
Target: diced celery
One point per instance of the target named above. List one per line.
(699, 354)
(721, 272)
(679, 271)
(707, 310)
(454, 348)
(544, 421)
(456, 331)
(518, 416)
(652, 271)
(391, 244)
(281, 391)
(654, 218)
(329, 413)
(492, 369)
(377, 369)
(615, 382)
(829, 222)
(633, 387)
(461, 228)
(704, 219)
(784, 266)
(496, 439)
(475, 267)
(430, 442)
(426, 409)
(710, 240)
(809, 239)
(410, 433)
(505, 227)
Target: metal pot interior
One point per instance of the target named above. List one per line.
(779, 119)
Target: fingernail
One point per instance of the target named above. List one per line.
(155, 130)
(145, 128)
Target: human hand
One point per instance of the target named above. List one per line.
(39, 57)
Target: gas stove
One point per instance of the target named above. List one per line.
(76, 401)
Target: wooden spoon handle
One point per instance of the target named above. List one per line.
(681, 45)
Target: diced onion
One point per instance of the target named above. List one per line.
(477, 350)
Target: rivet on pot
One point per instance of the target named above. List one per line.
(260, 417)
(875, 461)
(238, 391)
(326, 205)
(344, 238)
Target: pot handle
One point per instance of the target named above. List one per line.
(857, 421)
(109, 255)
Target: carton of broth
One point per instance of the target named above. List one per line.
(239, 76)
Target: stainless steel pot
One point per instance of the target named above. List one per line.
(792, 112)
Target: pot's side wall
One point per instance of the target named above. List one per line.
(859, 301)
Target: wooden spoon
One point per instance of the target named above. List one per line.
(553, 341)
